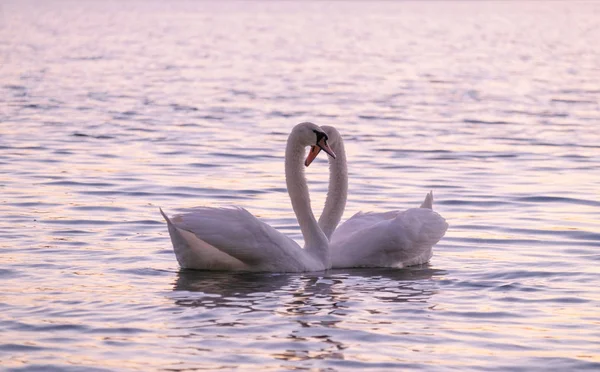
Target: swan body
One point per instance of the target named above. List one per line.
(233, 239)
(388, 239)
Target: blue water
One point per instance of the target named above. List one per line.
(111, 109)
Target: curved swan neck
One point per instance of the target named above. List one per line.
(337, 192)
(315, 242)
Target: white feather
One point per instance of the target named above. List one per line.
(233, 239)
(389, 239)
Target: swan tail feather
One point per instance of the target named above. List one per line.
(194, 253)
(428, 202)
(180, 244)
(165, 216)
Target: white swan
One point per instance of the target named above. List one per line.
(388, 239)
(233, 239)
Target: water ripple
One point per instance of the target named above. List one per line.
(113, 109)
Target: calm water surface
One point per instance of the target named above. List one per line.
(111, 109)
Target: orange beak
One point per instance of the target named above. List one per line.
(315, 150)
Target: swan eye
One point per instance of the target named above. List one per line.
(320, 135)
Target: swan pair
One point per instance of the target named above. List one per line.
(233, 239)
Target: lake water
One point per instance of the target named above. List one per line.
(111, 109)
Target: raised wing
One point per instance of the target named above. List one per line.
(359, 222)
(230, 238)
(391, 239)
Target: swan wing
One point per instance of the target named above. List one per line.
(231, 239)
(360, 221)
(390, 239)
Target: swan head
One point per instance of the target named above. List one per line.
(309, 134)
(332, 136)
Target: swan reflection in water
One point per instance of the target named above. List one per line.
(389, 285)
(319, 303)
